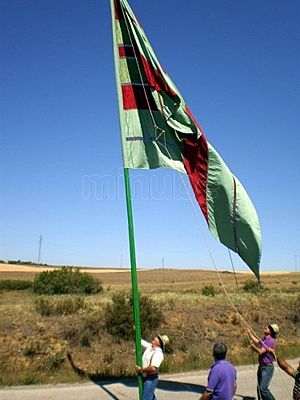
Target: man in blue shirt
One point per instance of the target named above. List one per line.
(221, 383)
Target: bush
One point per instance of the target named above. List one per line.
(66, 281)
(10, 284)
(119, 319)
(65, 306)
(252, 287)
(208, 290)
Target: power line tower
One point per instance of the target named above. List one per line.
(40, 249)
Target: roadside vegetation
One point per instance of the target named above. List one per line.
(66, 281)
(67, 326)
(12, 284)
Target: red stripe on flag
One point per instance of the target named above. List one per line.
(155, 79)
(195, 159)
(134, 97)
(126, 51)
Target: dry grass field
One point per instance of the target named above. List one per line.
(33, 347)
(163, 278)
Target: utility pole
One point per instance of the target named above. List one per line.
(163, 263)
(40, 249)
(296, 263)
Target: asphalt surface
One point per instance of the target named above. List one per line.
(187, 386)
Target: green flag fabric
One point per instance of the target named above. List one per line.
(159, 130)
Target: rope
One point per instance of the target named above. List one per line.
(233, 269)
(283, 381)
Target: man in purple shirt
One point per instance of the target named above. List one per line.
(221, 383)
(265, 348)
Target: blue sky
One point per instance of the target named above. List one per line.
(237, 65)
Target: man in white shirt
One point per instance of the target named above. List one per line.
(152, 359)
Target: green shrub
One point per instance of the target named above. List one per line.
(208, 290)
(66, 281)
(64, 306)
(10, 284)
(252, 287)
(119, 319)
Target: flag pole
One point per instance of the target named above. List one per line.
(134, 280)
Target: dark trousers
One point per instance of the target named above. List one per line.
(264, 377)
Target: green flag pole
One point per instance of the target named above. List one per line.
(134, 280)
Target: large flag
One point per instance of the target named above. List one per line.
(159, 130)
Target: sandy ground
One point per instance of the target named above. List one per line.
(29, 268)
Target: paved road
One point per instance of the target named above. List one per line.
(188, 386)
